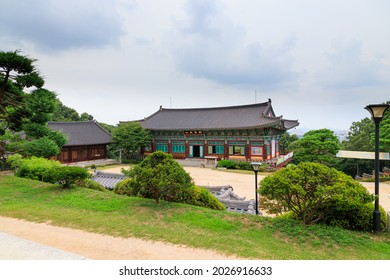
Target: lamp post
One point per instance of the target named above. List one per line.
(255, 167)
(377, 112)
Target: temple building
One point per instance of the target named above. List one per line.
(243, 133)
(86, 141)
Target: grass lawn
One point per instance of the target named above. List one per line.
(243, 235)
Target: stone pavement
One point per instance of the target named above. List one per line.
(16, 248)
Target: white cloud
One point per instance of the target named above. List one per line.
(122, 59)
(207, 44)
(60, 25)
(348, 67)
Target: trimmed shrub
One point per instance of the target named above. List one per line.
(42, 147)
(66, 176)
(227, 163)
(159, 176)
(90, 184)
(315, 193)
(15, 161)
(244, 165)
(202, 197)
(126, 187)
(264, 168)
(38, 169)
(360, 218)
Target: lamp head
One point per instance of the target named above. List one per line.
(255, 166)
(377, 111)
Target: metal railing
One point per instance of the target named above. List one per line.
(284, 158)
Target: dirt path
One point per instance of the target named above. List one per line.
(103, 247)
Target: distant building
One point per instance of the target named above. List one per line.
(86, 141)
(244, 133)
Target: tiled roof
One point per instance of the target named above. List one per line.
(232, 201)
(233, 117)
(107, 180)
(82, 133)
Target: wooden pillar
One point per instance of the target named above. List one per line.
(205, 149)
(187, 150)
(226, 150)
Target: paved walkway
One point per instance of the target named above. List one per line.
(16, 248)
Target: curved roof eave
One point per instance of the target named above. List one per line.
(219, 128)
(289, 124)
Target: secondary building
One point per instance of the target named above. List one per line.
(86, 141)
(244, 133)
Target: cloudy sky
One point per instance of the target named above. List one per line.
(320, 62)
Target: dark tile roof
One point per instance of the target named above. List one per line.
(108, 180)
(232, 201)
(234, 117)
(82, 133)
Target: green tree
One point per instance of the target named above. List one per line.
(43, 147)
(40, 106)
(67, 114)
(313, 192)
(17, 73)
(285, 140)
(10, 142)
(86, 117)
(28, 111)
(316, 146)
(130, 137)
(108, 127)
(384, 132)
(159, 176)
(360, 138)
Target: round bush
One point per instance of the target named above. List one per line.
(315, 193)
(66, 176)
(159, 176)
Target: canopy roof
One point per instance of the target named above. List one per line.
(257, 115)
